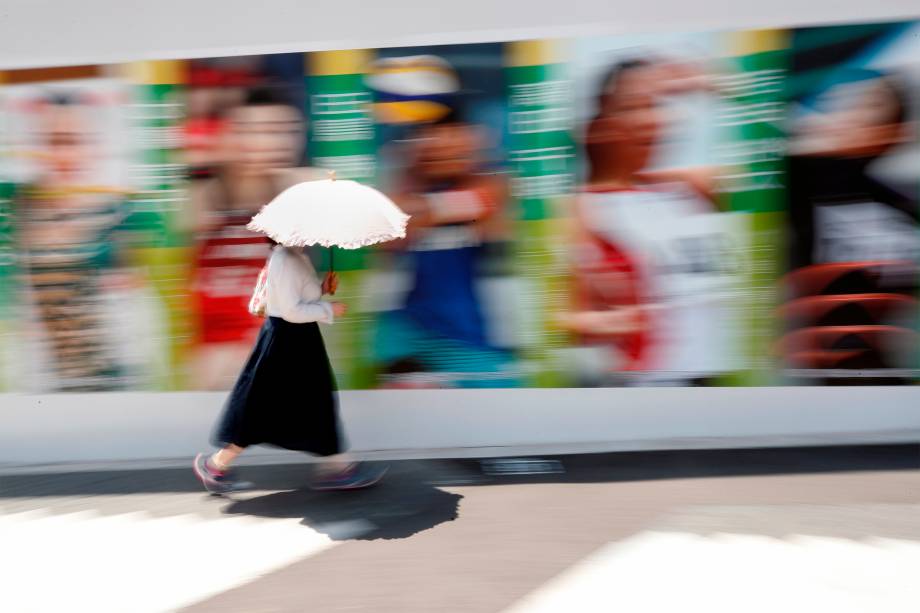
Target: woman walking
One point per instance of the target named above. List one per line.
(286, 394)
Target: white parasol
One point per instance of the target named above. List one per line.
(331, 213)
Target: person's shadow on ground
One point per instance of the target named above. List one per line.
(401, 505)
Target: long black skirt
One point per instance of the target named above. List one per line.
(286, 394)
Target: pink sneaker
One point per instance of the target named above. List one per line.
(215, 481)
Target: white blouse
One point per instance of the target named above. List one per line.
(294, 291)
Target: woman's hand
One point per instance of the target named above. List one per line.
(330, 283)
(339, 309)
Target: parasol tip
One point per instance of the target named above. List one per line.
(332, 175)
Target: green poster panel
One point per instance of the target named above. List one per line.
(542, 156)
(753, 182)
(160, 245)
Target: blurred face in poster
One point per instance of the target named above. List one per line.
(447, 151)
(67, 141)
(862, 119)
(262, 137)
(629, 121)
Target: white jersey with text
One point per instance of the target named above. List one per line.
(688, 259)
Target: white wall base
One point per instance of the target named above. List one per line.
(86, 428)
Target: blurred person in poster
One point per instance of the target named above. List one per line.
(261, 146)
(656, 262)
(835, 154)
(854, 244)
(439, 336)
(93, 326)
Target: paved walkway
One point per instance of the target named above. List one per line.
(799, 530)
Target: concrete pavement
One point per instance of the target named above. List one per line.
(441, 535)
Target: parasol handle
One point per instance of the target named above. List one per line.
(332, 249)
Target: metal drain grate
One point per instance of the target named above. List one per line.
(521, 466)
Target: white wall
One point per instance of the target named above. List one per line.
(56, 32)
(424, 423)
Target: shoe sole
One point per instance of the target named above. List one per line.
(360, 485)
